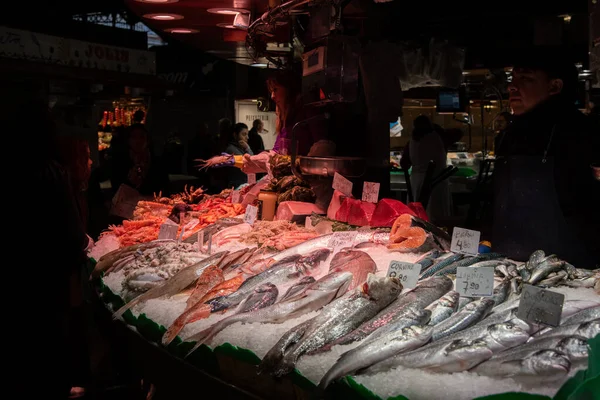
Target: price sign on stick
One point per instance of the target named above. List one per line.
(168, 230)
(465, 241)
(209, 244)
(235, 197)
(370, 192)
(406, 273)
(308, 223)
(251, 213)
(475, 282)
(251, 179)
(201, 241)
(540, 306)
(342, 184)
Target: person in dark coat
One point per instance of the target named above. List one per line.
(254, 139)
(545, 195)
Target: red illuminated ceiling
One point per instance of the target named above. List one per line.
(206, 35)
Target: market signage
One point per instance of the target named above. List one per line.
(38, 47)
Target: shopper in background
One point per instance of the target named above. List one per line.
(545, 195)
(501, 124)
(74, 157)
(254, 139)
(238, 146)
(137, 167)
(427, 145)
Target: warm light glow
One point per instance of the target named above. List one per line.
(182, 30)
(226, 25)
(163, 17)
(259, 65)
(227, 11)
(157, 1)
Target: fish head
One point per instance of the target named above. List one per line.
(422, 332)
(381, 289)
(315, 257)
(265, 287)
(535, 258)
(468, 353)
(576, 347)
(589, 329)
(508, 334)
(548, 362)
(336, 281)
(450, 300)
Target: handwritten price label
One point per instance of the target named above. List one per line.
(168, 230)
(475, 282)
(406, 273)
(342, 184)
(251, 213)
(251, 179)
(370, 192)
(540, 306)
(465, 241)
(340, 240)
(235, 197)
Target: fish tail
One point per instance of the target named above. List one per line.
(173, 331)
(277, 360)
(119, 313)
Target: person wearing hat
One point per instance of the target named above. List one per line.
(545, 195)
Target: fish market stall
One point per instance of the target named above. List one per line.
(362, 300)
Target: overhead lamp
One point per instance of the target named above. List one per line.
(566, 18)
(163, 17)
(227, 11)
(157, 1)
(182, 30)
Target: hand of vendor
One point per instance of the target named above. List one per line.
(256, 164)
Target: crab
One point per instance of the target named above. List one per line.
(189, 196)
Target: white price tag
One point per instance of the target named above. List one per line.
(342, 184)
(209, 244)
(251, 213)
(192, 224)
(201, 241)
(308, 223)
(180, 238)
(406, 273)
(465, 241)
(340, 240)
(475, 282)
(168, 230)
(235, 197)
(540, 306)
(370, 192)
(251, 179)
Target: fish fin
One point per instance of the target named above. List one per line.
(274, 360)
(200, 311)
(119, 313)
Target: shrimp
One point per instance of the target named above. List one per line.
(216, 160)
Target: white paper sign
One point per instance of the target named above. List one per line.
(465, 241)
(540, 306)
(370, 192)
(168, 230)
(251, 213)
(192, 224)
(340, 240)
(235, 197)
(475, 282)
(209, 244)
(201, 241)
(308, 223)
(342, 184)
(406, 273)
(251, 179)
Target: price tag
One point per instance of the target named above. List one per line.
(407, 273)
(180, 238)
(370, 192)
(168, 230)
(201, 241)
(235, 197)
(192, 224)
(251, 213)
(209, 244)
(342, 184)
(340, 240)
(465, 241)
(475, 282)
(251, 179)
(540, 306)
(308, 223)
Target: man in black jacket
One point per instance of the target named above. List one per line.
(545, 195)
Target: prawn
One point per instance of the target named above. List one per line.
(213, 161)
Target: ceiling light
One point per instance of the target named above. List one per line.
(226, 25)
(157, 1)
(259, 65)
(182, 30)
(227, 11)
(163, 17)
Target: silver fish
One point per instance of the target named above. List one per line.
(288, 270)
(383, 347)
(542, 365)
(443, 308)
(481, 260)
(534, 259)
(586, 329)
(463, 301)
(586, 315)
(428, 259)
(176, 284)
(553, 279)
(505, 335)
(452, 258)
(501, 292)
(468, 316)
(314, 297)
(454, 356)
(263, 296)
(335, 320)
(543, 269)
(298, 289)
(411, 315)
(575, 347)
(425, 293)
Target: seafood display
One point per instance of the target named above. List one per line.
(322, 303)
